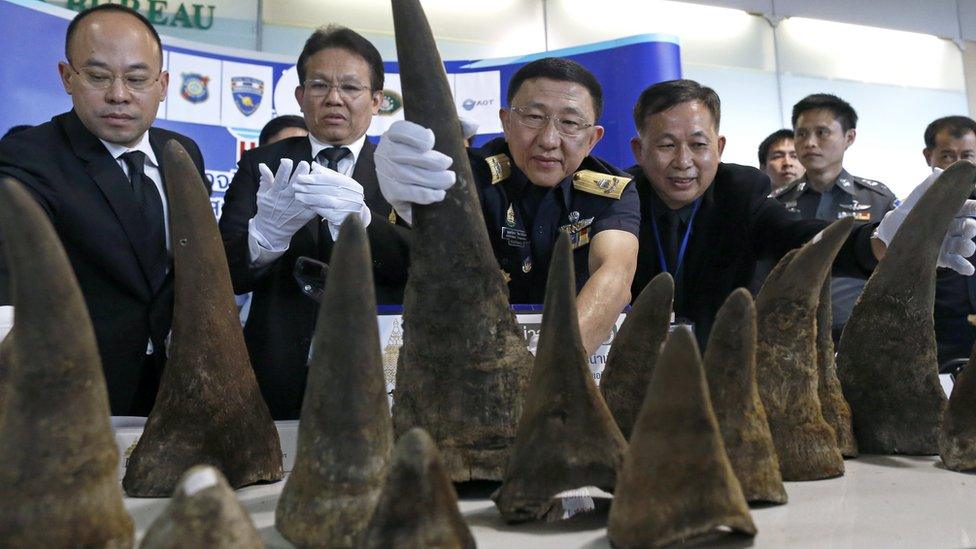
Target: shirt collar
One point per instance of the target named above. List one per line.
(355, 147)
(844, 182)
(143, 145)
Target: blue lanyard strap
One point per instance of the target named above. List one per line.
(684, 242)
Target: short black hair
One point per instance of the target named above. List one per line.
(664, 95)
(280, 123)
(957, 126)
(118, 8)
(772, 139)
(335, 36)
(842, 110)
(17, 129)
(562, 70)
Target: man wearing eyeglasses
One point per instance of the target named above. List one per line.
(537, 181)
(96, 171)
(288, 200)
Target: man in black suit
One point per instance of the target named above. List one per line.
(96, 171)
(288, 200)
(707, 222)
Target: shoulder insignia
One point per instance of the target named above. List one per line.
(393, 216)
(601, 184)
(876, 186)
(500, 166)
(785, 189)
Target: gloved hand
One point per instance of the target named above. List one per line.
(409, 170)
(333, 196)
(958, 242)
(280, 215)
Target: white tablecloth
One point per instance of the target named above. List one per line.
(881, 501)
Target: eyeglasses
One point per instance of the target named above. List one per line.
(569, 126)
(348, 90)
(99, 79)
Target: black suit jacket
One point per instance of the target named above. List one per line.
(735, 226)
(90, 202)
(281, 320)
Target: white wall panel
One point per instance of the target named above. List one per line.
(936, 17)
(889, 131)
(708, 35)
(750, 108)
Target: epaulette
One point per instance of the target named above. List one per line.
(784, 189)
(875, 186)
(602, 184)
(500, 166)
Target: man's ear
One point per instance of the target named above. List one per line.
(927, 154)
(849, 137)
(721, 146)
(635, 148)
(299, 95)
(65, 71)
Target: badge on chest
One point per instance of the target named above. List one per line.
(578, 230)
(511, 234)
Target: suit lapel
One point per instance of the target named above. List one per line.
(365, 174)
(115, 187)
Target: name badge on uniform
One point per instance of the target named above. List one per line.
(516, 238)
(578, 231)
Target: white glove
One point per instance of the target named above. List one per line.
(280, 215)
(469, 128)
(408, 168)
(333, 196)
(958, 242)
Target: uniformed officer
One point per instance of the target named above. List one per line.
(535, 182)
(948, 140)
(824, 127)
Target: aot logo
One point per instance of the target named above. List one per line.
(470, 104)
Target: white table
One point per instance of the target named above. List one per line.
(881, 501)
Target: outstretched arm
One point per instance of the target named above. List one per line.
(612, 261)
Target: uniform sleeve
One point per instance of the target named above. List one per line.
(622, 214)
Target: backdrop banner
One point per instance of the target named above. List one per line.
(222, 97)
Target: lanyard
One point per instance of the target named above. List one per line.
(684, 242)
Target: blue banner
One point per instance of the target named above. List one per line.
(222, 98)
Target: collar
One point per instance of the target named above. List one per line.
(355, 147)
(844, 182)
(143, 145)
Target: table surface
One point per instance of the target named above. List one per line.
(881, 501)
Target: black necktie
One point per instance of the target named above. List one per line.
(331, 156)
(671, 225)
(151, 205)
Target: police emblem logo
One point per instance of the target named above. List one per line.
(510, 216)
(573, 216)
(527, 265)
(194, 88)
(391, 104)
(247, 93)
